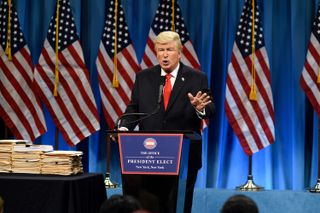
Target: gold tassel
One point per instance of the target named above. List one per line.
(253, 94)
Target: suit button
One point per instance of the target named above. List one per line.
(164, 122)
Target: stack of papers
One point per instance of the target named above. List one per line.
(6, 148)
(28, 159)
(61, 162)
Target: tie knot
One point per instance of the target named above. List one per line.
(168, 76)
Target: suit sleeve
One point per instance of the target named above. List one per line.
(209, 110)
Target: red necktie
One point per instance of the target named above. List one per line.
(167, 91)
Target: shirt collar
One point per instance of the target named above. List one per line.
(174, 72)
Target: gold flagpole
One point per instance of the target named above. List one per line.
(56, 73)
(8, 44)
(115, 81)
(172, 15)
(253, 92)
(250, 185)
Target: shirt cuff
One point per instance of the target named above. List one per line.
(201, 114)
(122, 128)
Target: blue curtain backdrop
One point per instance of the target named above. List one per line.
(290, 163)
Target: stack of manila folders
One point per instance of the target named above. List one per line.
(21, 156)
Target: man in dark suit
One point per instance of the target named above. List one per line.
(185, 103)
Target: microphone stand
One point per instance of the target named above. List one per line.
(107, 181)
(146, 115)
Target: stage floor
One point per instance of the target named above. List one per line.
(276, 201)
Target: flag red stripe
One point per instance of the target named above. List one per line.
(131, 60)
(12, 126)
(314, 52)
(60, 103)
(253, 121)
(113, 105)
(244, 113)
(146, 58)
(27, 57)
(84, 93)
(75, 55)
(76, 104)
(261, 86)
(309, 69)
(151, 46)
(312, 74)
(236, 128)
(109, 119)
(247, 90)
(75, 77)
(63, 131)
(109, 74)
(24, 97)
(110, 98)
(122, 71)
(264, 95)
(191, 59)
(11, 101)
(310, 95)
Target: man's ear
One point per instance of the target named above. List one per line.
(179, 55)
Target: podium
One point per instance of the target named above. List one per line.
(154, 167)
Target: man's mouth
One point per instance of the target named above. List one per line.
(165, 62)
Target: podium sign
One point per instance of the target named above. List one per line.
(157, 154)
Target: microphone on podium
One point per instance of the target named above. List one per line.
(146, 115)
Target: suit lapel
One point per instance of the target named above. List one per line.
(177, 87)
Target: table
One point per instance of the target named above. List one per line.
(27, 193)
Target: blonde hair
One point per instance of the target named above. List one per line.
(168, 36)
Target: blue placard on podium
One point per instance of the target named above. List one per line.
(150, 153)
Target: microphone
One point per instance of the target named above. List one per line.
(162, 83)
(118, 121)
(146, 115)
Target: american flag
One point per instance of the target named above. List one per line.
(252, 121)
(163, 22)
(311, 69)
(19, 107)
(74, 109)
(115, 99)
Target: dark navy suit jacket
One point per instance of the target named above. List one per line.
(180, 114)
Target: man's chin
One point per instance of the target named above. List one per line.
(166, 68)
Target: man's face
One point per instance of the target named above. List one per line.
(168, 55)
